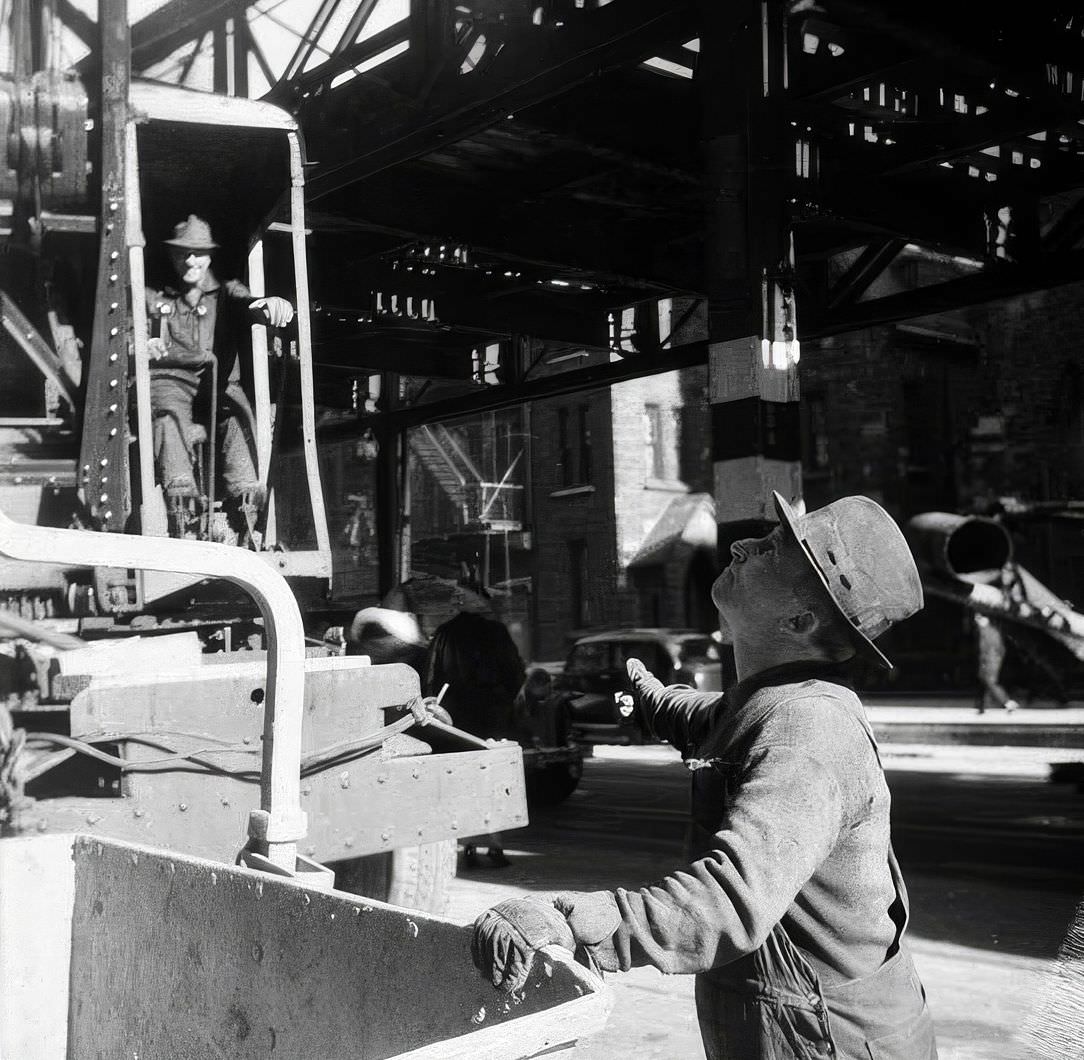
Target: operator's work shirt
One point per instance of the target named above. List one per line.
(193, 333)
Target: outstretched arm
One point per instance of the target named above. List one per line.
(782, 823)
(680, 715)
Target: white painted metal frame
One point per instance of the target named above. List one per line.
(154, 102)
(280, 822)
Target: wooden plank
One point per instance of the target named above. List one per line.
(356, 807)
(173, 956)
(381, 805)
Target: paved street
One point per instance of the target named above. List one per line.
(991, 850)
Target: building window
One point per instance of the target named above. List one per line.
(577, 596)
(919, 409)
(815, 443)
(574, 443)
(584, 444)
(653, 441)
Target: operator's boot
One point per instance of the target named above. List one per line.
(182, 509)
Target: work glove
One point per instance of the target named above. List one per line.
(426, 709)
(278, 311)
(643, 680)
(506, 936)
(646, 688)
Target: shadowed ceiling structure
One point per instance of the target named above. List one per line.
(486, 176)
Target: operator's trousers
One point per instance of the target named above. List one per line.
(173, 395)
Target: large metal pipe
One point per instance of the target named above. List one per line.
(965, 547)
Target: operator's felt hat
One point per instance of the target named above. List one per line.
(193, 234)
(858, 552)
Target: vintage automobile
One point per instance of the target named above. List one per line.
(601, 707)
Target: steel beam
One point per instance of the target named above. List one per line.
(870, 264)
(612, 36)
(1000, 281)
(492, 398)
(1067, 231)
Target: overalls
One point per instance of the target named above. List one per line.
(770, 1005)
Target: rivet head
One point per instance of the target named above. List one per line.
(113, 277)
(113, 332)
(182, 806)
(113, 255)
(112, 432)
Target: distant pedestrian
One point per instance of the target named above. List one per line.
(477, 659)
(387, 636)
(792, 909)
(990, 650)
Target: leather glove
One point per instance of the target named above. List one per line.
(506, 936)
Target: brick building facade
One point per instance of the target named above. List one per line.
(619, 527)
(949, 413)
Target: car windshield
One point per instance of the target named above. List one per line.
(698, 649)
(590, 658)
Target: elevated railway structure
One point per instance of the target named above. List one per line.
(452, 190)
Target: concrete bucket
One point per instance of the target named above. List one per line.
(109, 949)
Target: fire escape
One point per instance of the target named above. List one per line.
(482, 507)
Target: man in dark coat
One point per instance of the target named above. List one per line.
(792, 910)
(477, 659)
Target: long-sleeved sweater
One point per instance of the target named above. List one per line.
(790, 824)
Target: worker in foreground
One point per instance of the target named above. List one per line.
(792, 911)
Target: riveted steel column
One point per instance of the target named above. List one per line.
(750, 159)
(103, 454)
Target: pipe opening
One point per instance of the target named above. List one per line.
(977, 547)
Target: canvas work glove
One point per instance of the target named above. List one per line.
(644, 682)
(506, 936)
(278, 311)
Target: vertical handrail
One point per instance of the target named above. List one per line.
(304, 342)
(280, 822)
(261, 388)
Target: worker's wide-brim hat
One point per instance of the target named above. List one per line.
(859, 553)
(193, 234)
